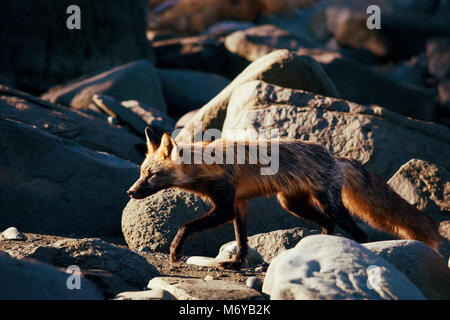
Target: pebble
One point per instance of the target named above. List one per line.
(13, 234)
(113, 120)
(254, 283)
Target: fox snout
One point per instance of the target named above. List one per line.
(142, 189)
(139, 190)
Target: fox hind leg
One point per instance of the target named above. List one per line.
(300, 206)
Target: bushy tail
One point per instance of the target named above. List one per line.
(370, 198)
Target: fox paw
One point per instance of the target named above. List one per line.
(174, 258)
(232, 265)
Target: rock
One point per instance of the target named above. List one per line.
(369, 87)
(424, 185)
(323, 267)
(89, 132)
(263, 247)
(203, 261)
(271, 244)
(379, 138)
(154, 222)
(254, 283)
(224, 28)
(28, 279)
(349, 27)
(419, 263)
(427, 187)
(135, 114)
(200, 53)
(364, 87)
(136, 80)
(280, 67)
(253, 43)
(444, 99)
(94, 253)
(67, 189)
(194, 16)
(199, 289)
(42, 52)
(145, 295)
(228, 251)
(438, 54)
(186, 90)
(12, 234)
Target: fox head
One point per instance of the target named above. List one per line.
(157, 170)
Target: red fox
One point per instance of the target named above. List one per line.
(310, 183)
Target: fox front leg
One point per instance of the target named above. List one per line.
(216, 217)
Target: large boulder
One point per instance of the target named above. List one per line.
(41, 51)
(136, 80)
(86, 130)
(347, 21)
(323, 267)
(255, 42)
(364, 86)
(186, 90)
(94, 253)
(280, 67)
(417, 261)
(153, 222)
(183, 288)
(438, 54)
(200, 53)
(28, 279)
(53, 185)
(427, 187)
(380, 139)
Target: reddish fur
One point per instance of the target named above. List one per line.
(370, 198)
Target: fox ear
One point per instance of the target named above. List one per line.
(151, 146)
(167, 145)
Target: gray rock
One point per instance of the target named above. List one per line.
(271, 244)
(253, 43)
(136, 80)
(254, 283)
(438, 54)
(90, 132)
(186, 90)
(37, 59)
(52, 185)
(228, 252)
(93, 253)
(145, 295)
(28, 279)
(426, 186)
(419, 263)
(200, 53)
(199, 289)
(323, 267)
(12, 234)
